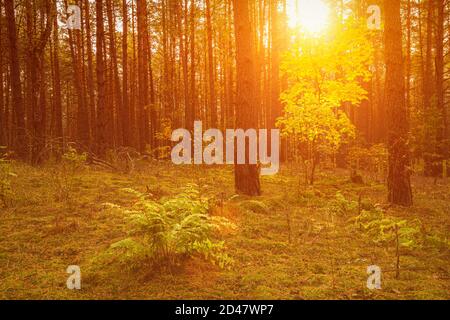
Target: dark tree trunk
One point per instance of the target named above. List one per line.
(90, 73)
(102, 122)
(191, 113)
(442, 146)
(246, 176)
(184, 57)
(3, 113)
(275, 105)
(428, 92)
(20, 141)
(211, 71)
(399, 185)
(77, 65)
(143, 74)
(125, 104)
(36, 72)
(118, 100)
(57, 100)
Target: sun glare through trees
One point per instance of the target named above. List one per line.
(311, 15)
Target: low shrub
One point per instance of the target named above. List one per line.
(167, 232)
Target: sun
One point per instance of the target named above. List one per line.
(310, 15)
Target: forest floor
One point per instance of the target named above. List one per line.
(293, 242)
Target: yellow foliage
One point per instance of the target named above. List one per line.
(325, 73)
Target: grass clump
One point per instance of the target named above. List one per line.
(255, 206)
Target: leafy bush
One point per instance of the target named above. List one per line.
(382, 229)
(165, 233)
(340, 205)
(5, 180)
(387, 230)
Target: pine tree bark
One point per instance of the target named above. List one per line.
(20, 143)
(118, 100)
(408, 55)
(191, 115)
(125, 103)
(143, 74)
(36, 73)
(102, 122)
(399, 185)
(90, 73)
(275, 105)
(247, 175)
(211, 71)
(428, 92)
(442, 146)
(57, 100)
(3, 113)
(82, 122)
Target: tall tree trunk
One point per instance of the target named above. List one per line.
(115, 72)
(82, 122)
(275, 105)
(399, 185)
(3, 113)
(57, 100)
(184, 57)
(211, 71)
(20, 143)
(133, 84)
(442, 147)
(125, 103)
(429, 110)
(408, 56)
(36, 63)
(90, 73)
(102, 122)
(191, 115)
(143, 74)
(247, 175)
(231, 106)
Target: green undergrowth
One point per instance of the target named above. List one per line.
(293, 242)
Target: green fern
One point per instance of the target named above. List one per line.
(340, 205)
(169, 231)
(382, 229)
